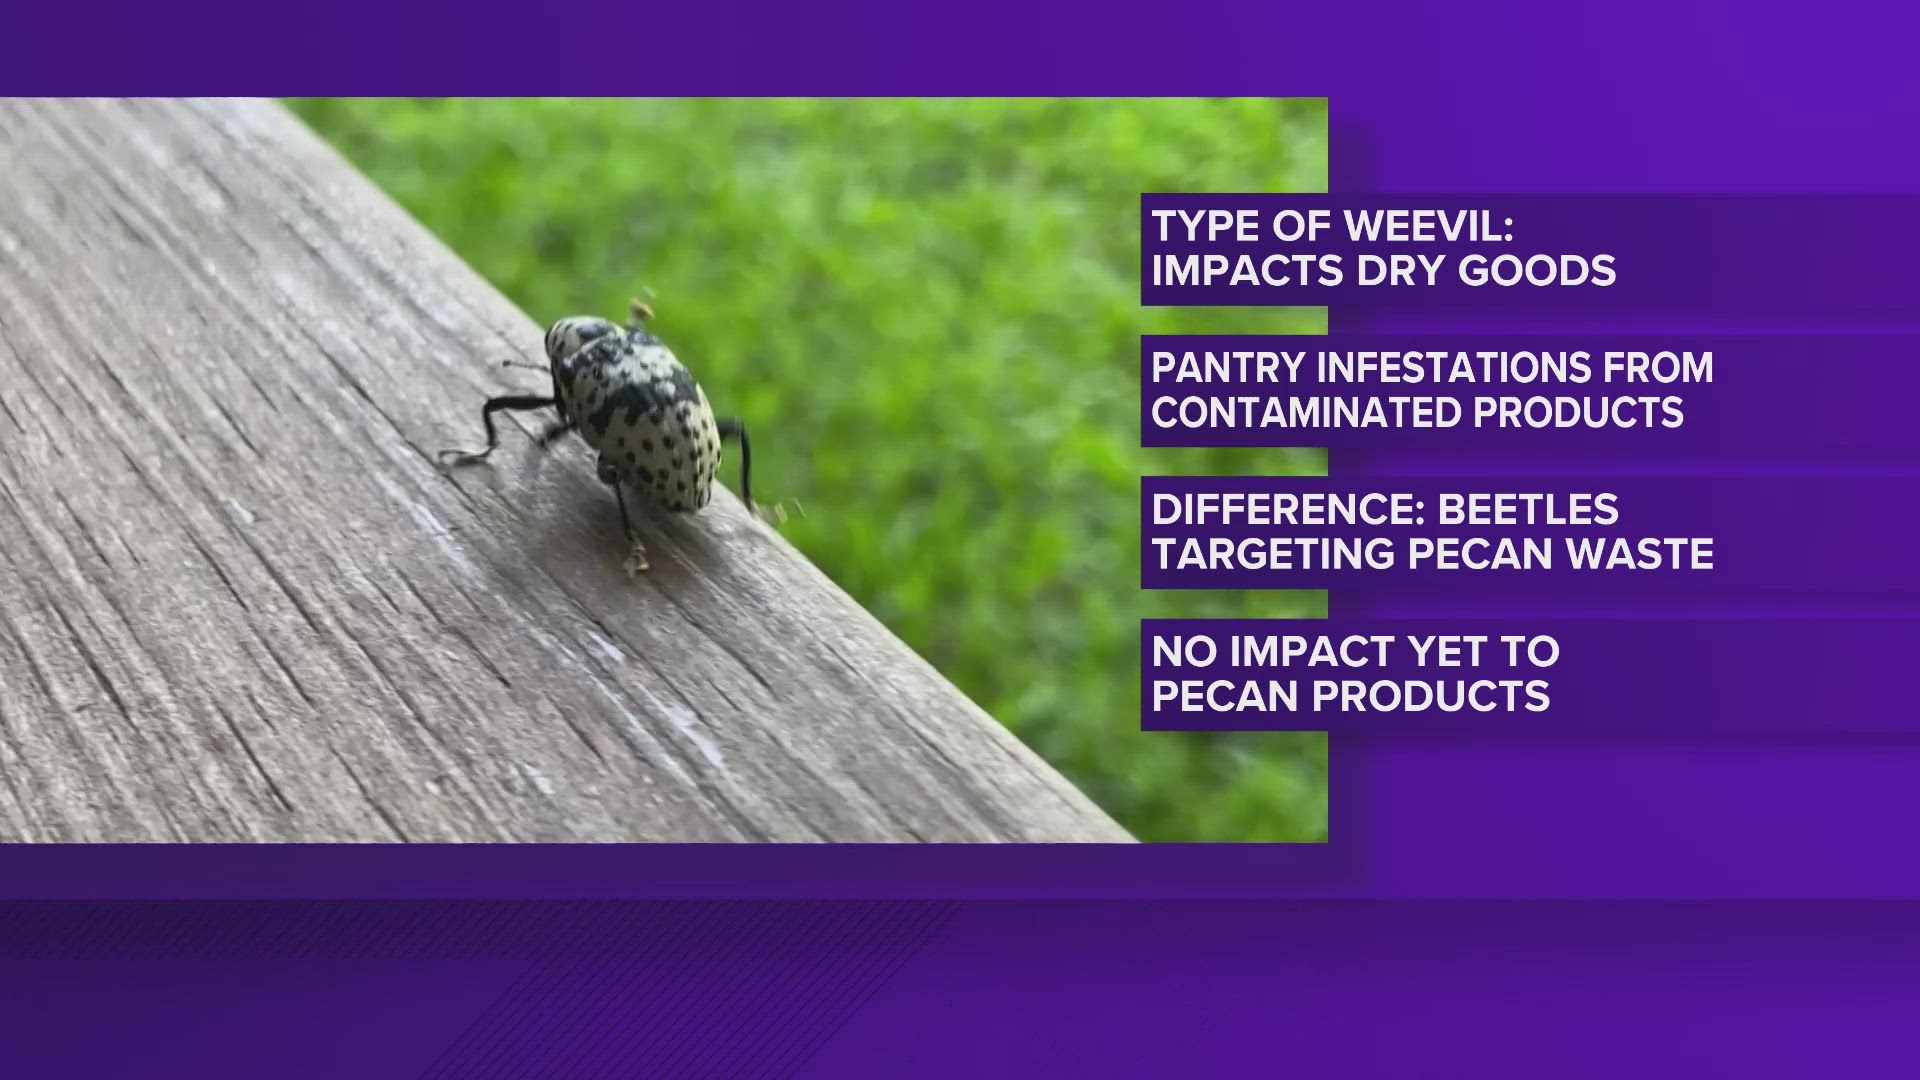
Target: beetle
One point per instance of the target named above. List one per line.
(638, 407)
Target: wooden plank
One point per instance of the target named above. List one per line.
(240, 601)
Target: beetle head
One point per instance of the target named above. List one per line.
(567, 336)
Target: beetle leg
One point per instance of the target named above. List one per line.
(493, 405)
(732, 427)
(636, 551)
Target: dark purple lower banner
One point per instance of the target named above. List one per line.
(1531, 676)
(937, 989)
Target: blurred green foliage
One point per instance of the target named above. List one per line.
(928, 313)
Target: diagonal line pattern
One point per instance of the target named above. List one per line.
(614, 988)
(721, 988)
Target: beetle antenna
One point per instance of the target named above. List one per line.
(523, 364)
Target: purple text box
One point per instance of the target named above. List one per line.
(1621, 676)
(1673, 254)
(1715, 534)
(1770, 393)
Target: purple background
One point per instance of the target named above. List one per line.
(1613, 678)
(1404, 980)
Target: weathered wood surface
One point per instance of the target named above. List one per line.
(240, 601)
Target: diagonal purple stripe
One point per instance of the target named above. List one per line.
(796, 987)
(793, 986)
(835, 1003)
(489, 1018)
(688, 928)
(877, 965)
(497, 1051)
(936, 921)
(684, 1052)
(662, 987)
(684, 989)
(718, 982)
(828, 991)
(500, 1052)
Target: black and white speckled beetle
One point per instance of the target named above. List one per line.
(636, 404)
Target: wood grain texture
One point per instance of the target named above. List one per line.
(240, 600)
